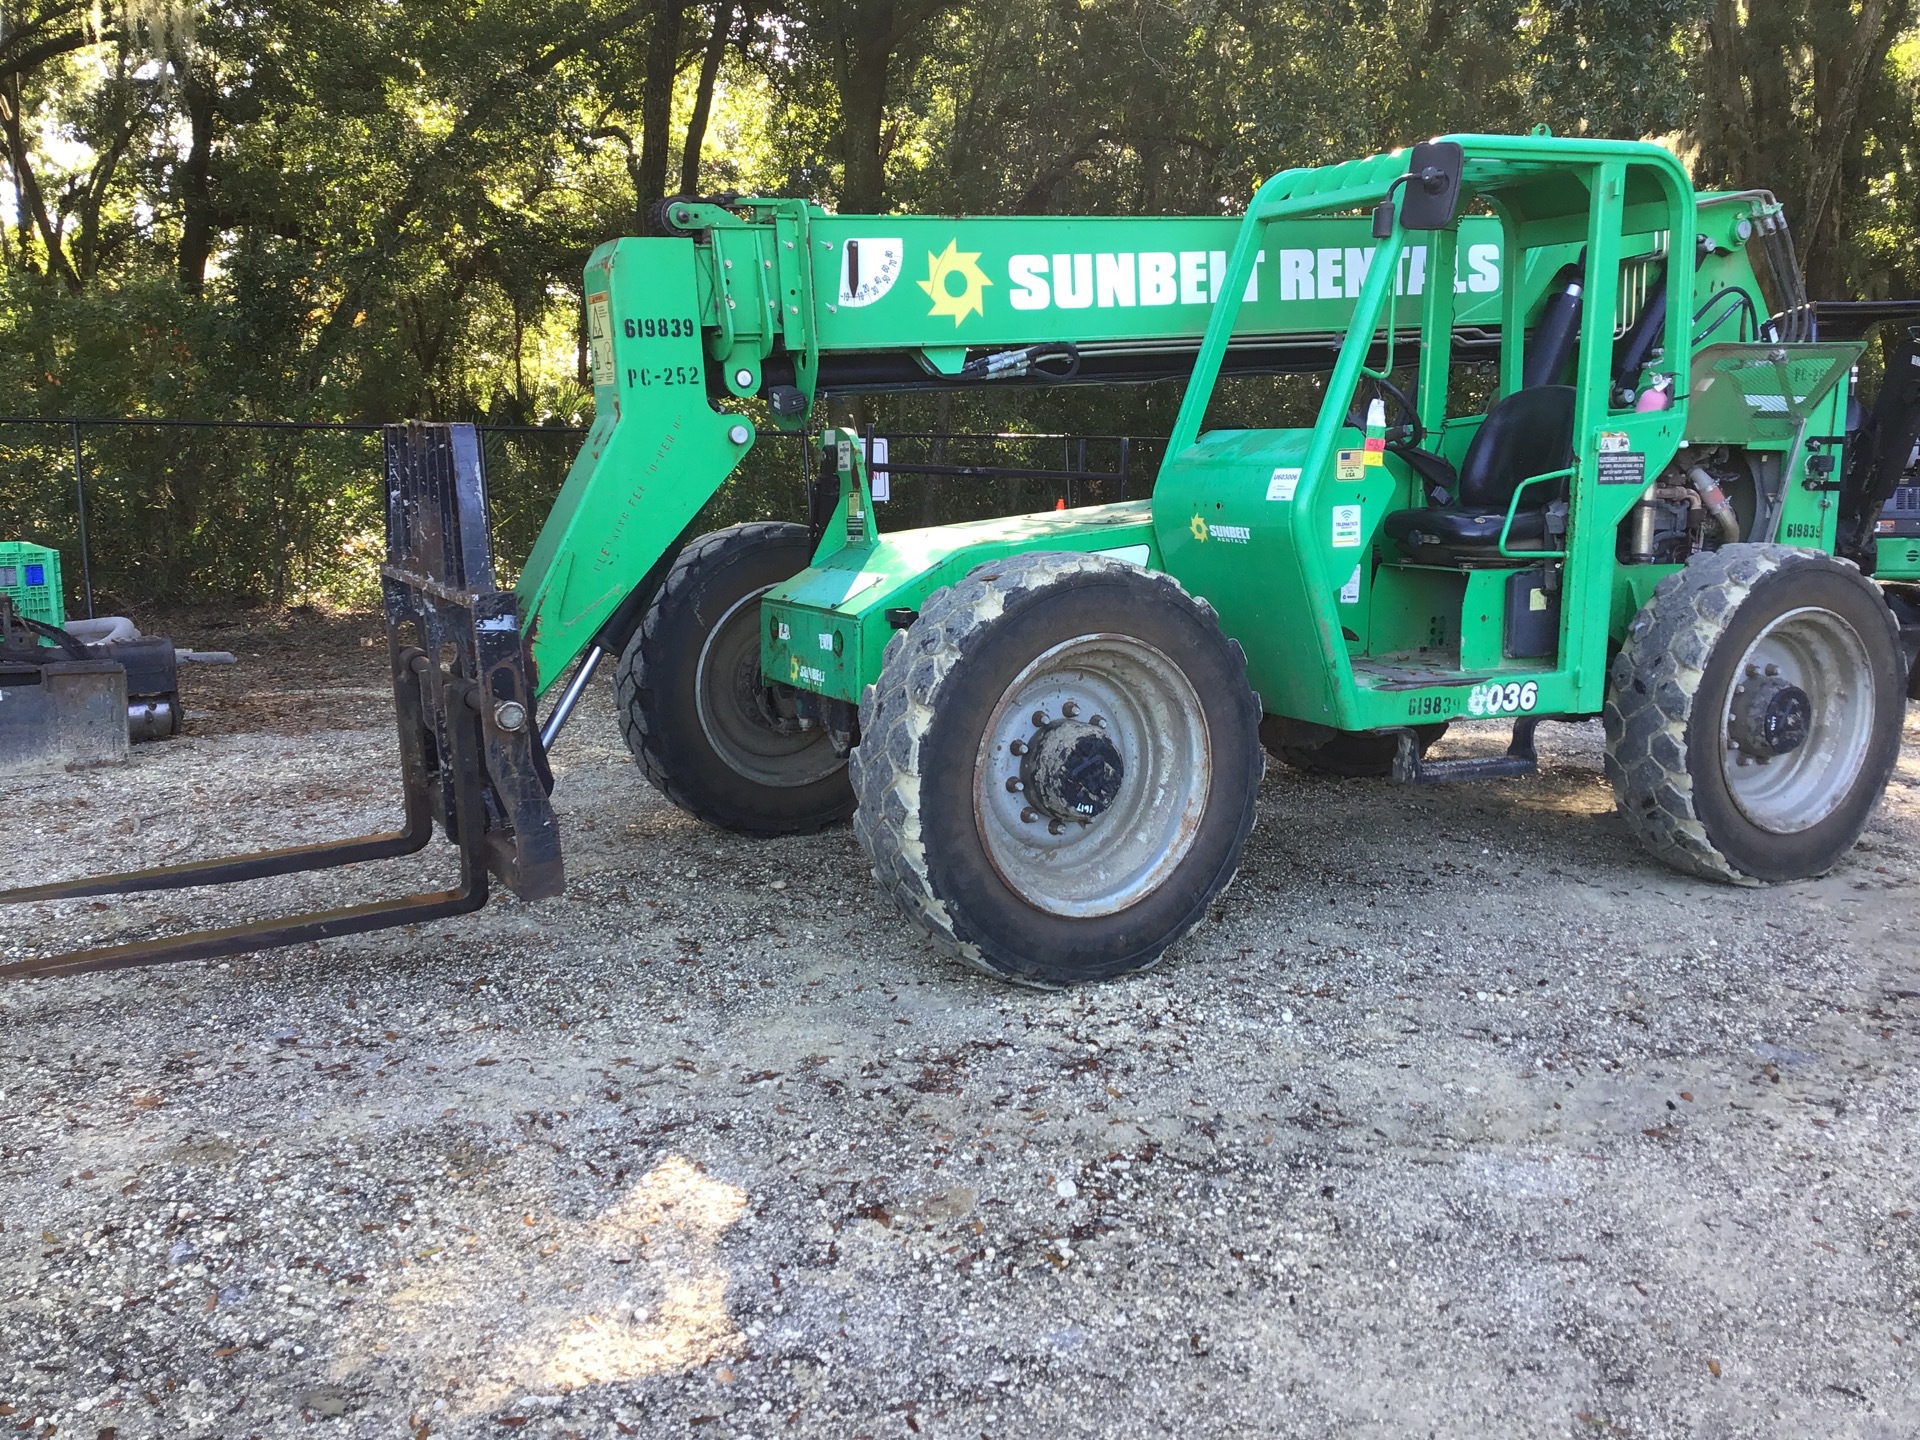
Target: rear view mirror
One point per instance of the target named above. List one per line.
(1432, 194)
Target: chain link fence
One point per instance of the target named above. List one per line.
(284, 512)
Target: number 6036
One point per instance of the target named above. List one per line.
(1494, 698)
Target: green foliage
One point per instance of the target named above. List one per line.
(359, 211)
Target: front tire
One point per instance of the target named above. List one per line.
(1753, 716)
(1057, 767)
(697, 715)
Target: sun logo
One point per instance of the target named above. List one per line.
(1199, 528)
(796, 670)
(948, 264)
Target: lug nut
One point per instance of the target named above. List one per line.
(1014, 785)
(1069, 709)
(1773, 669)
(1029, 815)
(1099, 722)
(510, 715)
(1040, 719)
(1054, 827)
(1018, 747)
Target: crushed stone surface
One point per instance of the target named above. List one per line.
(1460, 1117)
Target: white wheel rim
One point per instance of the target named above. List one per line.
(1822, 655)
(1152, 715)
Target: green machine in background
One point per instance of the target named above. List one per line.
(30, 577)
(1050, 729)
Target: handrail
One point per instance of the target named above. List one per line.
(1513, 508)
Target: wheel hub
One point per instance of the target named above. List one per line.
(1799, 718)
(1770, 716)
(1091, 775)
(752, 727)
(1072, 771)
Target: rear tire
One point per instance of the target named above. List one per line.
(706, 730)
(1057, 767)
(1753, 716)
(1349, 754)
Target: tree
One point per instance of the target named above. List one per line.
(1785, 88)
(356, 209)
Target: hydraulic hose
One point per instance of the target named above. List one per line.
(1054, 363)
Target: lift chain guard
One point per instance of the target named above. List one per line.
(469, 752)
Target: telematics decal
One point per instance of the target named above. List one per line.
(950, 268)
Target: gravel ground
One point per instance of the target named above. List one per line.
(1458, 1118)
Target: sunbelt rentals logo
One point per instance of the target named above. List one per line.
(1228, 534)
(955, 282)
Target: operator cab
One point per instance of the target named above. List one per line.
(1463, 564)
(1504, 491)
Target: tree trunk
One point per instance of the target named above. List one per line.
(200, 98)
(656, 102)
(863, 104)
(1784, 88)
(32, 203)
(723, 16)
(87, 241)
(1837, 105)
(932, 492)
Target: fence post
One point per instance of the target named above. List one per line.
(80, 510)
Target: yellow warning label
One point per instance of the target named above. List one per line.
(600, 338)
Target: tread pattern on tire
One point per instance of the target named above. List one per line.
(896, 712)
(1650, 697)
(635, 702)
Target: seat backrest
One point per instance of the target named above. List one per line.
(1526, 433)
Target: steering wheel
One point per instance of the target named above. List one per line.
(1404, 427)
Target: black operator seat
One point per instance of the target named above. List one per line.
(1527, 433)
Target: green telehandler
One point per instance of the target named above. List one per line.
(1049, 729)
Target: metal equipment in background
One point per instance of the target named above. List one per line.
(469, 756)
(61, 707)
(48, 727)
